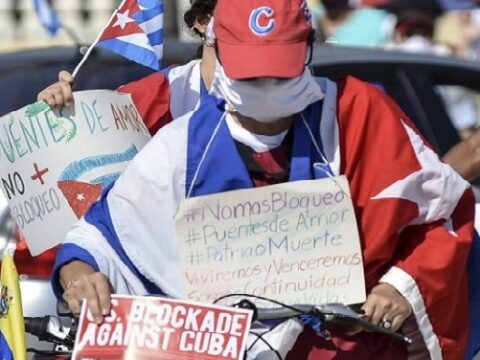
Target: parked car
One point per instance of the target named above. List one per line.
(412, 80)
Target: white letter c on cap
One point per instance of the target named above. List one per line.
(254, 24)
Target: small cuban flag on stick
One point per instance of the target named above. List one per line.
(134, 31)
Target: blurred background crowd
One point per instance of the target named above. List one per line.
(347, 22)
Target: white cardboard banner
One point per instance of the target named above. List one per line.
(296, 242)
(54, 165)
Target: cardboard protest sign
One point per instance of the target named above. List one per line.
(157, 328)
(296, 242)
(54, 165)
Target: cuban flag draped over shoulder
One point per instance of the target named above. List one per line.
(136, 32)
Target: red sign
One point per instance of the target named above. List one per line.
(158, 328)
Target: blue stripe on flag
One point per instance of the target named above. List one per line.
(156, 38)
(474, 295)
(148, 3)
(145, 15)
(99, 216)
(5, 352)
(132, 52)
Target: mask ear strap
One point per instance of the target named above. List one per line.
(317, 147)
(327, 170)
(204, 155)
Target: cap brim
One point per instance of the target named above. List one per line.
(246, 61)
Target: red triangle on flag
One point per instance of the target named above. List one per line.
(80, 195)
(123, 22)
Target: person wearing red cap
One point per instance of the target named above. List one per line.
(265, 120)
(278, 49)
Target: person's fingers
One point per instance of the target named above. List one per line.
(379, 314)
(58, 95)
(398, 321)
(65, 76)
(102, 287)
(74, 304)
(83, 289)
(376, 307)
(54, 95)
(48, 97)
(67, 94)
(90, 294)
(368, 309)
(397, 316)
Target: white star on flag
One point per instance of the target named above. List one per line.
(135, 31)
(80, 197)
(123, 19)
(420, 186)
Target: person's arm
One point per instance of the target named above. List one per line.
(415, 216)
(151, 96)
(87, 267)
(464, 157)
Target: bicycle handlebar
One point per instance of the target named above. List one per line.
(49, 328)
(333, 313)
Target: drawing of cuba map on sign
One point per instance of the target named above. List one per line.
(55, 164)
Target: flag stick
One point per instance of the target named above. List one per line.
(90, 49)
(71, 34)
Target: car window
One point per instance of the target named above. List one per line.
(463, 108)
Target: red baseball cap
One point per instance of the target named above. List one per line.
(262, 38)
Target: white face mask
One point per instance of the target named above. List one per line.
(266, 99)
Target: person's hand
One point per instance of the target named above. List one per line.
(82, 283)
(386, 305)
(60, 93)
(464, 157)
(95, 289)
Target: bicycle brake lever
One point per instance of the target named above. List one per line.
(338, 309)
